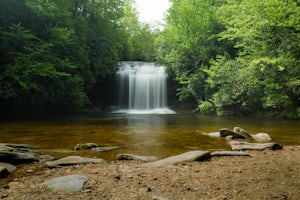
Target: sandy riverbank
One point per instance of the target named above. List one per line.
(265, 175)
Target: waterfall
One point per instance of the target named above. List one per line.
(142, 88)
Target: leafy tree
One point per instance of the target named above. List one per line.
(188, 43)
(267, 37)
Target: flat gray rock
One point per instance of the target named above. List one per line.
(136, 157)
(71, 183)
(17, 154)
(237, 145)
(103, 149)
(185, 157)
(229, 153)
(73, 160)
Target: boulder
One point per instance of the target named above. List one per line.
(185, 157)
(136, 157)
(224, 132)
(103, 149)
(261, 137)
(237, 145)
(71, 183)
(229, 153)
(85, 146)
(17, 154)
(242, 132)
(73, 160)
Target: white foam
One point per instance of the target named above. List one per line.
(161, 111)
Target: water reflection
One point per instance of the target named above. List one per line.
(158, 135)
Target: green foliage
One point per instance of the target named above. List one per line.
(242, 56)
(189, 42)
(206, 107)
(53, 52)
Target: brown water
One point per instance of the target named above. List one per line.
(158, 135)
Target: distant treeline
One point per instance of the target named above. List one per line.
(52, 52)
(235, 56)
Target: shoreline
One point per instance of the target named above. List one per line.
(265, 174)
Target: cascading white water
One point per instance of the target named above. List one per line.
(142, 88)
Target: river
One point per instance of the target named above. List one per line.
(154, 134)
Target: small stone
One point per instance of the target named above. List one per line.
(85, 146)
(103, 149)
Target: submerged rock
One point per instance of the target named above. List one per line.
(103, 149)
(185, 157)
(237, 145)
(261, 137)
(71, 183)
(17, 154)
(73, 160)
(135, 157)
(85, 146)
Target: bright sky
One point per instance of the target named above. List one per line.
(152, 10)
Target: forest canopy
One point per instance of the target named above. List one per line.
(54, 51)
(235, 57)
(227, 56)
